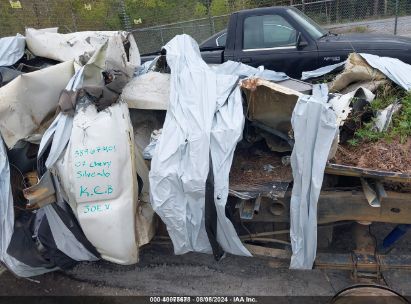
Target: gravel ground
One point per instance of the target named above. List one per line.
(162, 273)
(382, 26)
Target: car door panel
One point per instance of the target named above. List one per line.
(271, 41)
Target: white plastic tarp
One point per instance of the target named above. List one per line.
(321, 71)
(200, 121)
(314, 124)
(79, 46)
(29, 102)
(97, 169)
(149, 91)
(242, 70)
(342, 103)
(396, 70)
(98, 174)
(11, 49)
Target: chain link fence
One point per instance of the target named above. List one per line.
(154, 22)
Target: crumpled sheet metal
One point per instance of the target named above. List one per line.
(200, 121)
(150, 91)
(11, 49)
(29, 102)
(315, 127)
(79, 46)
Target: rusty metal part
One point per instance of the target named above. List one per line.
(249, 207)
(364, 241)
(264, 234)
(364, 263)
(254, 190)
(362, 258)
(270, 104)
(368, 173)
(370, 293)
(41, 194)
(344, 205)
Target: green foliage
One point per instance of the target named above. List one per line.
(359, 29)
(353, 142)
(401, 121)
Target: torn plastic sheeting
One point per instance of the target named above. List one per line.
(98, 188)
(180, 164)
(58, 134)
(356, 69)
(242, 70)
(320, 92)
(321, 71)
(98, 174)
(384, 117)
(79, 46)
(371, 85)
(396, 70)
(7, 221)
(149, 150)
(8, 74)
(314, 124)
(342, 103)
(143, 122)
(29, 102)
(11, 49)
(150, 91)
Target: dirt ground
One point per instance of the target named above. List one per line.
(383, 155)
(162, 273)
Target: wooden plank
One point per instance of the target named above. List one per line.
(369, 173)
(268, 252)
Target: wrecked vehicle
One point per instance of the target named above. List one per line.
(231, 158)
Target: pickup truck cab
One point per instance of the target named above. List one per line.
(283, 39)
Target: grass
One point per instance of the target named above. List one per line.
(358, 29)
(400, 126)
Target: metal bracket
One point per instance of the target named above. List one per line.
(374, 194)
(365, 266)
(41, 194)
(249, 207)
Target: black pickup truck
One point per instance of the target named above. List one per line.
(283, 39)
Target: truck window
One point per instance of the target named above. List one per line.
(268, 31)
(220, 41)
